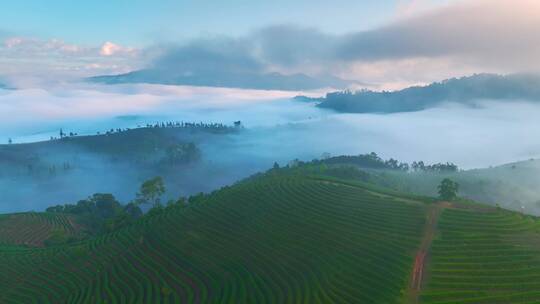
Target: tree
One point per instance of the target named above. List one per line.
(133, 210)
(448, 189)
(151, 191)
(106, 205)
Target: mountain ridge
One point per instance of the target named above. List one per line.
(465, 90)
(233, 79)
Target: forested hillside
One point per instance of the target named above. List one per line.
(465, 90)
(70, 166)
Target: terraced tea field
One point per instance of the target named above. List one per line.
(282, 239)
(32, 228)
(484, 257)
(272, 240)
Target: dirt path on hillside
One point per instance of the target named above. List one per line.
(422, 255)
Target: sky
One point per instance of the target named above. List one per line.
(142, 22)
(61, 39)
(371, 44)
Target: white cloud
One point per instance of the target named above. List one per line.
(110, 49)
(87, 101)
(37, 47)
(424, 43)
(427, 41)
(13, 42)
(494, 33)
(24, 58)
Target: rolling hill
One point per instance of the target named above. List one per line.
(512, 186)
(465, 90)
(274, 239)
(290, 236)
(229, 79)
(66, 169)
(484, 256)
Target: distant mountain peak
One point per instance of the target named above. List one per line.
(232, 79)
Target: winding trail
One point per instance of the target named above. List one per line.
(422, 255)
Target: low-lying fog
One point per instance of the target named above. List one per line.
(277, 129)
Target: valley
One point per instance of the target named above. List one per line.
(261, 152)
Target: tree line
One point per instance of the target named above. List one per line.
(374, 161)
(215, 127)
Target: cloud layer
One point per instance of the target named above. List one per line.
(277, 130)
(468, 136)
(495, 33)
(32, 61)
(453, 40)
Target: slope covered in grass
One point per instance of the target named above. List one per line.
(485, 256)
(273, 239)
(35, 229)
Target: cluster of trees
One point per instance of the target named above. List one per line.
(438, 167)
(374, 161)
(370, 161)
(201, 125)
(101, 212)
(102, 209)
(62, 134)
(192, 125)
(315, 168)
(169, 124)
(103, 204)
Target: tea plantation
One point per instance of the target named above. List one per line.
(269, 240)
(34, 229)
(291, 238)
(485, 256)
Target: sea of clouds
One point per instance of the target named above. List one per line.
(488, 134)
(276, 129)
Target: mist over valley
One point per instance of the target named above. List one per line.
(275, 128)
(345, 151)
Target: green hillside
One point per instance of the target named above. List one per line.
(512, 186)
(287, 236)
(274, 239)
(36, 229)
(485, 256)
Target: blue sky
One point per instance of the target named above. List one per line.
(142, 22)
